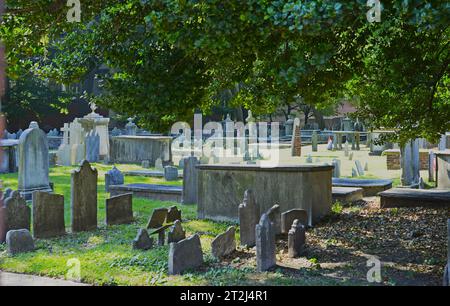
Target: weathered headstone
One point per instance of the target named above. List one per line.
(159, 164)
(346, 149)
(274, 214)
(248, 218)
(142, 240)
(176, 233)
(288, 217)
(19, 241)
(158, 217)
(296, 239)
(265, 244)
(16, 214)
(337, 168)
(309, 159)
(314, 141)
(350, 156)
(119, 209)
(190, 180)
(92, 142)
(296, 142)
(359, 168)
(409, 154)
(185, 254)
(354, 172)
(145, 164)
(173, 214)
(131, 127)
(431, 165)
(113, 177)
(48, 215)
(84, 198)
(170, 173)
(224, 244)
(366, 166)
(33, 161)
(181, 163)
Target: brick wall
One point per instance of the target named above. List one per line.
(393, 159)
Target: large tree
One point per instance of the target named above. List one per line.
(170, 57)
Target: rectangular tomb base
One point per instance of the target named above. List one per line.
(149, 191)
(402, 197)
(347, 194)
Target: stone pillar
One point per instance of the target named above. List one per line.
(265, 244)
(409, 154)
(190, 180)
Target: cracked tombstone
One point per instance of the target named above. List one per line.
(173, 214)
(296, 239)
(288, 217)
(119, 209)
(176, 233)
(224, 244)
(185, 254)
(142, 240)
(265, 244)
(113, 177)
(19, 241)
(248, 218)
(274, 214)
(48, 215)
(15, 214)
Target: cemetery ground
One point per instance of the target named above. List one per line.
(411, 243)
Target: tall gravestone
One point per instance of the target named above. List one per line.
(92, 147)
(190, 180)
(410, 164)
(314, 141)
(33, 161)
(265, 244)
(296, 142)
(15, 214)
(48, 215)
(113, 177)
(248, 218)
(84, 198)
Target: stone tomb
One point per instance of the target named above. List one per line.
(119, 209)
(406, 197)
(347, 194)
(15, 215)
(149, 191)
(371, 187)
(48, 215)
(84, 198)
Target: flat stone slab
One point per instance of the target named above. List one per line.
(405, 197)
(371, 187)
(149, 191)
(347, 194)
(149, 173)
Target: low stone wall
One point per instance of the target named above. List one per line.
(135, 149)
(393, 159)
(221, 189)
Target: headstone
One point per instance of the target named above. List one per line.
(354, 172)
(131, 127)
(119, 209)
(159, 164)
(314, 141)
(185, 254)
(84, 198)
(113, 177)
(158, 217)
(442, 146)
(170, 173)
(337, 168)
(350, 156)
(173, 214)
(92, 142)
(16, 214)
(296, 239)
(142, 240)
(248, 218)
(409, 154)
(431, 166)
(224, 244)
(289, 126)
(48, 215)
(265, 244)
(19, 241)
(190, 180)
(288, 217)
(309, 159)
(181, 163)
(366, 166)
(33, 161)
(296, 142)
(145, 164)
(274, 214)
(176, 233)
(359, 168)
(346, 149)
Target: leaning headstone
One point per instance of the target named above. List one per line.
(33, 161)
(274, 214)
(296, 239)
(19, 241)
(113, 177)
(248, 218)
(190, 180)
(170, 173)
(176, 233)
(92, 142)
(84, 198)
(16, 214)
(158, 217)
(145, 164)
(185, 254)
(409, 155)
(142, 240)
(119, 209)
(314, 141)
(159, 164)
(359, 168)
(288, 217)
(48, 215)
(224, 244)
(354, 172)
(265, 244)
(173, 214)
(337, 168)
